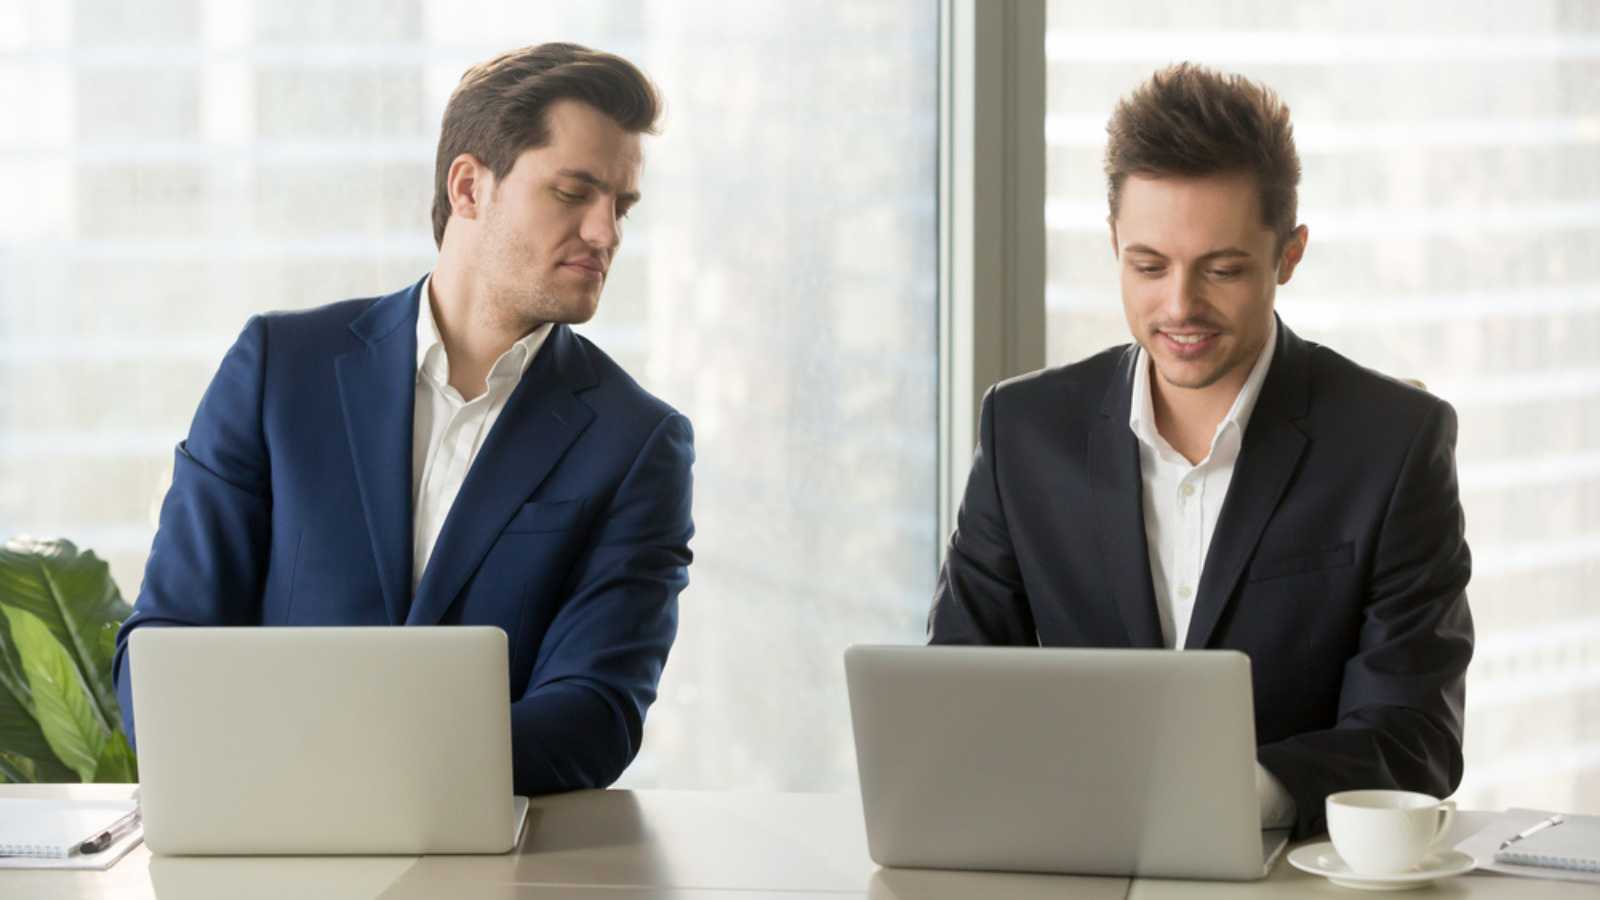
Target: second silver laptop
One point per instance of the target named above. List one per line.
(1106, 762)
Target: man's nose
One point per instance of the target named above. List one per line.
(1182, 296)
(601, 228)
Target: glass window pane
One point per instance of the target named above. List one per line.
(188, 165)
(1452, 189)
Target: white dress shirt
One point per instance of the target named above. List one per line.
(1181, 506)
(447, 431)
(1182, 502)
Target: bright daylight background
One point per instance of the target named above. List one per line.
(171, 167)
(1451, 153)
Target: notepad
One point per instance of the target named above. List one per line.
(55, 829)
(1571, 845)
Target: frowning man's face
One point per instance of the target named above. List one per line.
(552, 226)
(1199, 273)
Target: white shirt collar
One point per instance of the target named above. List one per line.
(433, 364)
(1141, 412)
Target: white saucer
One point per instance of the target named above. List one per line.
(1322, 859)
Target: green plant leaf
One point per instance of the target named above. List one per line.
(20, 735)
(17, 769)
(63, 706)
(19, 730)
(108, 646)
(72, 593)
(116, 763)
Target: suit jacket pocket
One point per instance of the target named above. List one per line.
(1303, 561)
(546, 515)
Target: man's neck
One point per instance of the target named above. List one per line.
(472, 339)
(1188, 417)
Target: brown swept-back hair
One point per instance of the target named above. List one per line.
(498, 109)
(1188, 120)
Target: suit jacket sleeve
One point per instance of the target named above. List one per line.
(980, 598)
(1401, 700)
(209, 556)
(580, 721)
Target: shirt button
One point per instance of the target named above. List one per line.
(1188, 490)
(1185, 592)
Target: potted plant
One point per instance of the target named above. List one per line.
(59, 718)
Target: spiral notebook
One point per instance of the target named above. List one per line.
(57, 829)
(1574, 844)
(1485, 845)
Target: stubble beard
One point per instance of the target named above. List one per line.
(520, 303)
(1223, 369)
(520, 308)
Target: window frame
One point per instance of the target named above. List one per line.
(992, 242)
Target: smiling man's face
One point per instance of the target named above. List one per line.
(1199, 273)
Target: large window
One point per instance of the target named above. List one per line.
(1452, 189)
(171, 167)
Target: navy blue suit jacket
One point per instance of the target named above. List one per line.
(291, 505)
(1339, 562)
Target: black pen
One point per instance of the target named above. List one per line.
(105, 838)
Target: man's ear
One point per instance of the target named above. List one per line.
(1294, 249)
(467, 184)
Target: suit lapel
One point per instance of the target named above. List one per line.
(1272, 448)
(540, 421)
(377, 390)
(1119, 506)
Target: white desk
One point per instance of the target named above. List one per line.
(712, 845)
(640, 845)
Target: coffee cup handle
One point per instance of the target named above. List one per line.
(1448, 807)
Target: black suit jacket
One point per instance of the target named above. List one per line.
(1339, 563)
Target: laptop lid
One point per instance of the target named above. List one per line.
(323, 740)
(1106, 762)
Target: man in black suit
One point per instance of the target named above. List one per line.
(1222, 483)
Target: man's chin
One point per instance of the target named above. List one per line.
(570, 310)
(578, 312)
(527, 313)
(1194, 375)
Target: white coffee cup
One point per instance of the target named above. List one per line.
(1386, 832)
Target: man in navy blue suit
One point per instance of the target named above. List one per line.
(452, 453)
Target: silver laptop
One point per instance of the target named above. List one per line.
(324, 740)
(1103, 762)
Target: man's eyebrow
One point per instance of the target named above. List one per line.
(1227, 253)
(1223, 253)
(598, 183)
(1143, 248)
